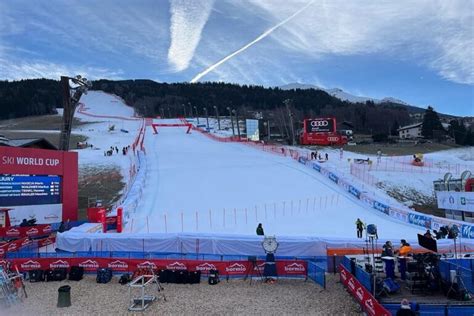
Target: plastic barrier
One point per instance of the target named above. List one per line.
(317, 273)
(288, 268)
(368, 303)
(29, 231)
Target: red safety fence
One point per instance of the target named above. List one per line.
(30, 231)
(285, 268)
(24, 242)
(366, 300)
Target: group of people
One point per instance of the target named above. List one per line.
(114, 149)
(315, 155)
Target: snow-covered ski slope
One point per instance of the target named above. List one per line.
(197, 185)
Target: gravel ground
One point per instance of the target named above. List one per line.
(236, 297)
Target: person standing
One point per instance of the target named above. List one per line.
(388, 259)
(341, 153)
(327, 156)
(360, 226)
(405, 309)
(260, 230)
(403, 252)
(379, 155)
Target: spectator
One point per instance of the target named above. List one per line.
(360, 227)
(387, 249)
(327, 156)
(24, 223)
(260, 230)
(405, 309)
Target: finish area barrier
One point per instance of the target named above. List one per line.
(156, 125)
(285, 268)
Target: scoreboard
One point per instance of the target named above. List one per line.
(29, 190)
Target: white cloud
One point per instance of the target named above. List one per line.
(188, 18)
(43, 69)
(435, 34)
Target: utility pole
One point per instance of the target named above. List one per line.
(290, 114)
(69, 104)
(218, 119)
(237, 121)
(196, 113)
(207, 118)
(231, 120)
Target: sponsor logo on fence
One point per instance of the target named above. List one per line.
(32, 231)
(236, 267)
(146, 264)
(316, 167)
(206, 267)
(117, 264)
(30, 264)
(351, 283)
(360, 293)
(419, 220)
(381, 207)
(51, 217)
(25, 242)
(13, 232)
(59, 264)
(89, 264)
(294, 267)
(333, 177)
(12, 246)
(343, 274)
(370, 305)
(354, 191)
(2, 252)
(260, 267)
(176, 266)
(468, 231)
(47, 229)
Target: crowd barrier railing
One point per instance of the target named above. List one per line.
(317, 273)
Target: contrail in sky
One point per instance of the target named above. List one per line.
(258, 39)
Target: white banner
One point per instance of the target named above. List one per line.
(44, 214)
(461, 201)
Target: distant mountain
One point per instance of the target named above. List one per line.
(342, 95)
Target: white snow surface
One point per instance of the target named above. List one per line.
(197, 185)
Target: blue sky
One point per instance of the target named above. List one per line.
(421, 52)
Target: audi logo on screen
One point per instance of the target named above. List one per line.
(319, 123)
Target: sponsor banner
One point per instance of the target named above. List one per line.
(316, 167)
(333, 177)
(320, 125)
(461, 201)
(381, 207)
(398, 214)
(368, 303)
(438, 222)
(420, 220)
(20, 232)
(352, 190)
(44, 214)
(232, 268)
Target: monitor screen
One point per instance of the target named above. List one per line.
(29, 190)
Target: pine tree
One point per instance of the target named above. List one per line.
(458, 132)
(431, 123)
(394, 128)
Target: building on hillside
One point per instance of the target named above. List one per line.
(40, 143)
(410, 131)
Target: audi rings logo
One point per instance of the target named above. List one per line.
(319, 123)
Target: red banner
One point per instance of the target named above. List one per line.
(368, 303)
(23, 242)
(230, 268)
(30, 231)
